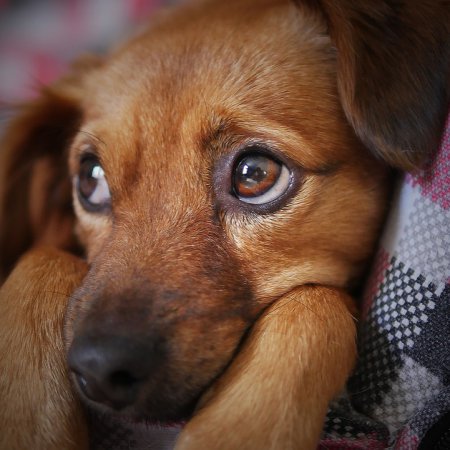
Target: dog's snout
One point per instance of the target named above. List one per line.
(113, 370)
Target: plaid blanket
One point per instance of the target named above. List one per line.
(399, 395)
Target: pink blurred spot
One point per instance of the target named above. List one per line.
(46, 68)
(139, 9)
(27, 72)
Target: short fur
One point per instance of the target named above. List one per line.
(245, 314)
(40, 410)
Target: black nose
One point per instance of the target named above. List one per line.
(113, 370)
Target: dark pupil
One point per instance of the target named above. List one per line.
(252, 173)
(255, 175)
(88, 177)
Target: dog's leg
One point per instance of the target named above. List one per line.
(37, 408)
(276, 393)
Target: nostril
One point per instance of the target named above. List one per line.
(90, 388)
(123, 378)
(117, 390)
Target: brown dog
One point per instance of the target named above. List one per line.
(225, 199)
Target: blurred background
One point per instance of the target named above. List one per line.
(39, 38)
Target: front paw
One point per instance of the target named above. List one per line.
(276, 392)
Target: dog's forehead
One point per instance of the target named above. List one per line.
(160, 98)
(249, 55)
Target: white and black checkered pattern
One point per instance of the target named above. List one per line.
(425, 242)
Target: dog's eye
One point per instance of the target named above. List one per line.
(259, 179)
(92, 186)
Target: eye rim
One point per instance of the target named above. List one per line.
(102, 208)
(225, 198)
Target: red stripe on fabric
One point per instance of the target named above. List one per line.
(406, 439)
(351, 444)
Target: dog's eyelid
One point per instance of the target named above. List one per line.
(87, 149)
(86, 143)
(78, 151)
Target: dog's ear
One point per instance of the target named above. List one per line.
(393, 72)
(35, 190)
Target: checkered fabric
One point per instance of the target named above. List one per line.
(401, 385)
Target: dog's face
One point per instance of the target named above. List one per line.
(214, 170)
(213, 173)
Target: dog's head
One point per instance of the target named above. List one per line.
(234, 151)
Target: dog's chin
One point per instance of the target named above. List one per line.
(133, 416)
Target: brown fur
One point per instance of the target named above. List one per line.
(177, 260)
(39, 409)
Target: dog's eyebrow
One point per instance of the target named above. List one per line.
(218, 133)
(214, 130)
(92, 136)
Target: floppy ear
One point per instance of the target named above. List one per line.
(35, 190)
(393, 73)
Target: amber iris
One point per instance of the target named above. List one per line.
(255, 175)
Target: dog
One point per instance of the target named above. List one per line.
(225, 175)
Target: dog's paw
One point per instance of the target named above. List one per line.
(275, 394)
